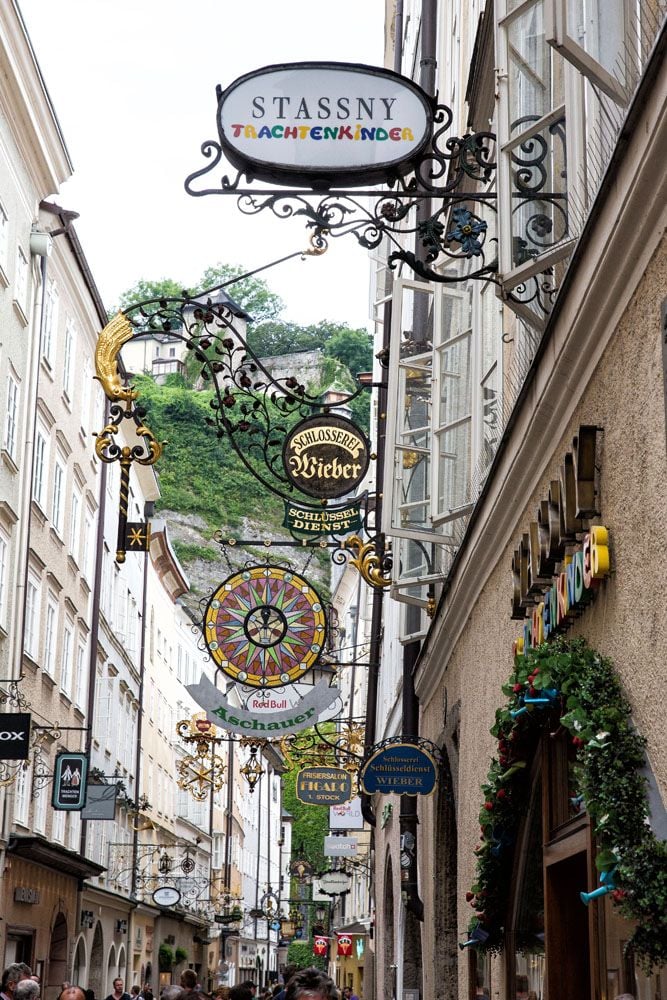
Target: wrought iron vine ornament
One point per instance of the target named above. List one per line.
(249, 406)
(343, 748)
(454, 175)
(202, 771)
(11, 694)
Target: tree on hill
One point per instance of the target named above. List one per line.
(354, 348)
(251, 294)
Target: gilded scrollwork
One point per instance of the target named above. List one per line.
(372, 567)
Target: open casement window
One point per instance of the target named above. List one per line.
(595, 37)
(533, 163)
(429, 414)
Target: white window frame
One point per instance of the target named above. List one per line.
(40, 474)
(32, 612)
(86, 384)
(68, 356)
(88, 545)
(4, 242)
(559, 33)
(58, 499)
(511, 274)
(50, 635)
(39, 798)
(74, 831)
(75, 523)
(393, 469)
(58, 824)
(81, 685)
(66, 656)
(50, 332)
(10, 436)
(21, 280)
(4, 577)
(22, 789)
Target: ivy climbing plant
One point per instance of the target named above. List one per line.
(569, 684)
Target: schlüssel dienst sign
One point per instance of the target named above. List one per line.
(323, 123)
(401, 768)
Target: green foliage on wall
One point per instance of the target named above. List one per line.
(311, 823)
(581, 693)
(165, 957)
(300, 953)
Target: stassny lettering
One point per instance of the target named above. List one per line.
(325, 108)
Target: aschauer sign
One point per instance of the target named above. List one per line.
(323, 123)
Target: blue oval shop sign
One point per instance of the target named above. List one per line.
(402, 768)
(323, 123)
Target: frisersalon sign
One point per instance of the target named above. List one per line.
(323, 124)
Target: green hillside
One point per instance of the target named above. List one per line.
(200, 473)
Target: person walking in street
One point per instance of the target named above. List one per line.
(12, 975)
(287, 975)
(189, 984)
(118, 991)
(73, 993)
(27, 989)
(311, 983)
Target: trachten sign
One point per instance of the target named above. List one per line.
(69, 781)
(326, 456)
(323, 123)
(323, 786)
(401, 768)
(303, 520)
(319, 704)
(14, 736)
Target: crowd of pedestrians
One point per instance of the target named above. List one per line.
(19, 983)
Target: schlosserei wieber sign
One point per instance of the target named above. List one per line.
(402, 768)
(326, 456)
(323, 786)
(323, 124)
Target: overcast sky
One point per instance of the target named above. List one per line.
(133, 83)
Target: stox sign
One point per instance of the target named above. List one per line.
(14, 736)
(323, 123)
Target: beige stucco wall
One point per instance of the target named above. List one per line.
(627, 620)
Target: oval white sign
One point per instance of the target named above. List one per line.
(321, 124)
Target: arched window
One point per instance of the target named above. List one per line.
(79, 967)
(57, 964)
(446, 893)
(96, 974)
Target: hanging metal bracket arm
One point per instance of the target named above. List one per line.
(452, 172)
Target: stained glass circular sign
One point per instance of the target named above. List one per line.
(265, 626)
